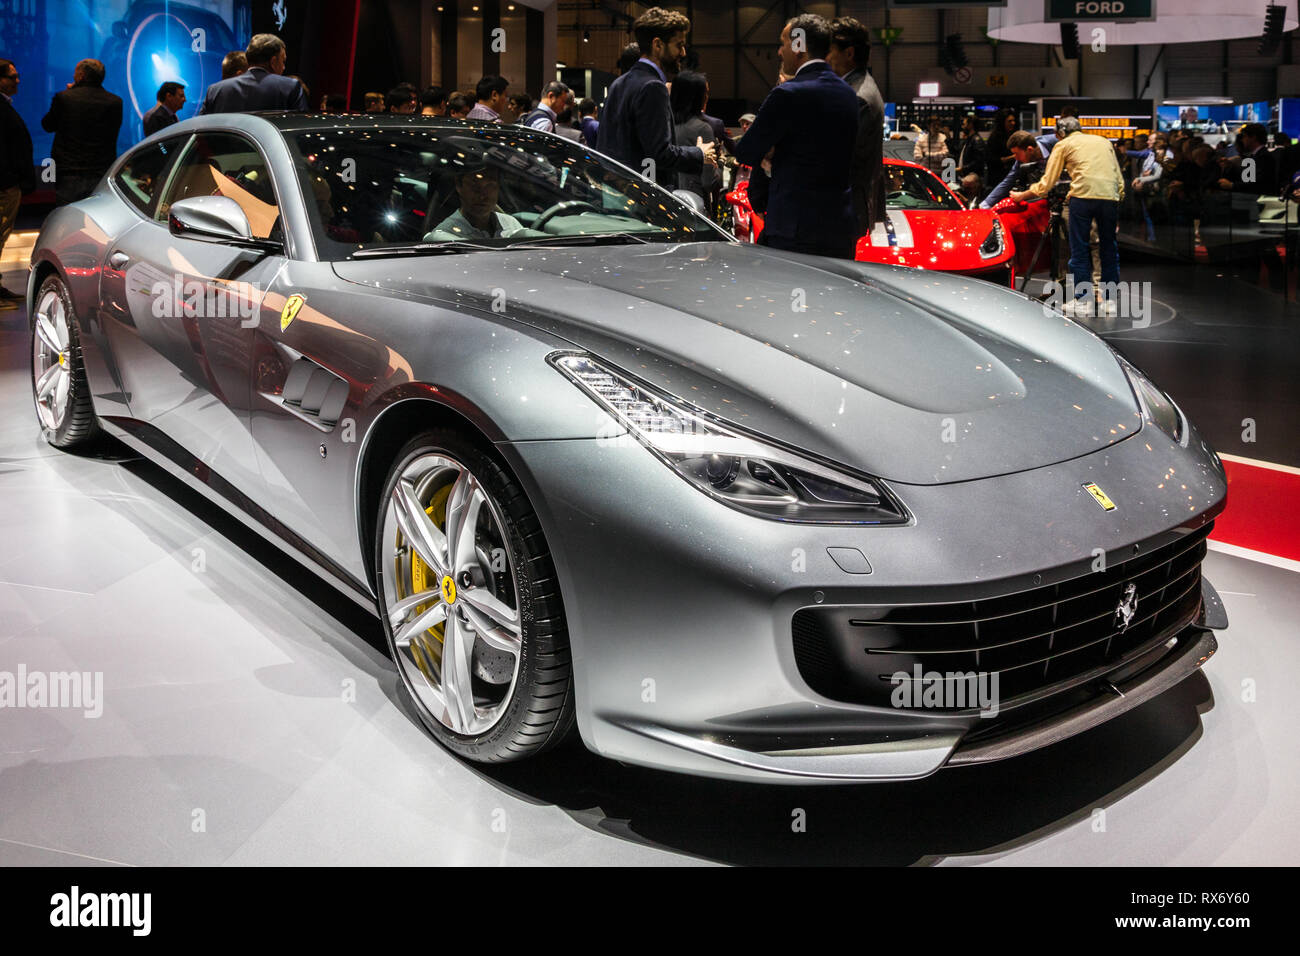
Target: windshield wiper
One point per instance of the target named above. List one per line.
(598, 239)
(424, 249)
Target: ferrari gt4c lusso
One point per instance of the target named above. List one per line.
(731, 511)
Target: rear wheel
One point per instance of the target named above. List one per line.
(470, 602)
(59, 386)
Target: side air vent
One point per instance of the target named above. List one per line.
(313, 393)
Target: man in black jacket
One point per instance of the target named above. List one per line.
(171, 97)
(17, 173)
(849, 57)
(637, 122)
(1257, 173)
(85, 119)
(808, 127)
(262, 87)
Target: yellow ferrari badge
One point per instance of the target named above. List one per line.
(1101, 497)
(290, 310)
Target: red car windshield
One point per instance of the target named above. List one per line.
(909, 188)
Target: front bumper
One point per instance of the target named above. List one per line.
(918, 756)
(679, 609)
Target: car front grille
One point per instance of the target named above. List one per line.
(1034, 640)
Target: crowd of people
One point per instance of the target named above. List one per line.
(813, 152)
(1170, 177)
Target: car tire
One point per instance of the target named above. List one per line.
(60, 390)
(510, 572)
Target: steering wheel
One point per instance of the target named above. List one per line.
(896, 194)
(560, 209)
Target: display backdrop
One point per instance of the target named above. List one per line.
(141, 45)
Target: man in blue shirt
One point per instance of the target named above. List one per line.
(1025, 155)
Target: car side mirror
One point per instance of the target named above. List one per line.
(215, 219)
(691, 199)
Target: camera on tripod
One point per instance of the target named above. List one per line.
(1056, 196)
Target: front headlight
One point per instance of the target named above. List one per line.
(1157, 407)
(993, 244)
(741, 470)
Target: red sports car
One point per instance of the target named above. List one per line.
(928, 226)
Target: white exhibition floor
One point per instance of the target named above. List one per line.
(226, 735)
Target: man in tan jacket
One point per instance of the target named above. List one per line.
(1096, 189)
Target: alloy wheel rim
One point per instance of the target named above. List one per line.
(51, 360)
(451, 594)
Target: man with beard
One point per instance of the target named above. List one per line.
(637, 125)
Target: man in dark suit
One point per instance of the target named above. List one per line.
(171, 97)
(1257, 173)
(233, 64)
(637, 121)
(17, 173)
(849, 57)
(807, 128)
(262, 87)
(85, 119)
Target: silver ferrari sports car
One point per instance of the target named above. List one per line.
(731, 511)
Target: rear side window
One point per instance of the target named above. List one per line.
(141, 175)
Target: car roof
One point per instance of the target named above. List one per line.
(895, 161)
(293, 122)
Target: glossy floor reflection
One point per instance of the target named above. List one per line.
(250, 716)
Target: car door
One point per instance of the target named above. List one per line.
(194, 306)
(138, 182)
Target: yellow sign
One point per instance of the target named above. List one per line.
(995, 79)
(290, 310)
(449, 590)
(1101, 497)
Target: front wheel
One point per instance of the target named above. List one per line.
(59, 386)
(470, 602)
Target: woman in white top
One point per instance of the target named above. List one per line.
(931, 148)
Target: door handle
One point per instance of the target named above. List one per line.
(118, 259)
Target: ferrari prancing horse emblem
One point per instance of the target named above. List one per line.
(1127, 607)
(290, 311)
(1098, 495)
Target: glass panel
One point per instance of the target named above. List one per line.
(141, 175)
(371, 187)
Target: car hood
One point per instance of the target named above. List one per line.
(917, 377)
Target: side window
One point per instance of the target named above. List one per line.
(141, 176)
(223, 164)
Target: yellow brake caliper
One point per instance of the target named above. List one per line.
(423, 579)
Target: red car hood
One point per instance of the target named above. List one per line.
(946, 239)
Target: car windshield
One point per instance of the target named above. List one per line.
(427, 188)
(910, 188)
